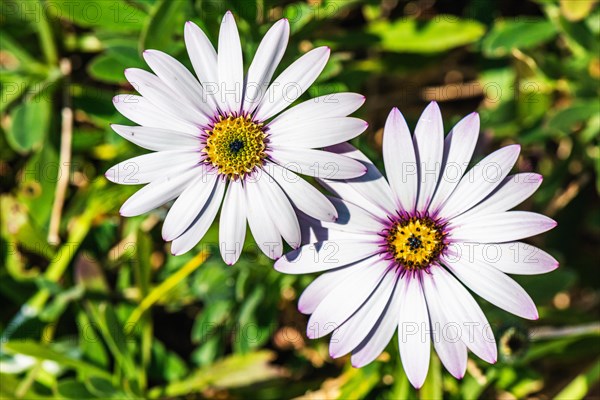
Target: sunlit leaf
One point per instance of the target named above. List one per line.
(442, 33)
(518, 34)
(29, 125)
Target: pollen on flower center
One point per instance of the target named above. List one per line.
(415, 242)
(235, 145)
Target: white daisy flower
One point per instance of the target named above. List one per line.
(400, 252)
(224, 136)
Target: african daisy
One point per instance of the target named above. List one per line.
(223, 138)
(401, 253)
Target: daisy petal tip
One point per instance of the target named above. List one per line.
(417, 384)
(279, 265)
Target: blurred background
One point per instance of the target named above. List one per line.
(94, 305)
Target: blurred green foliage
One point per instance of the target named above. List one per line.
(94, 305)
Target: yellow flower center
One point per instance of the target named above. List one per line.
(235, 146)
(415, 242)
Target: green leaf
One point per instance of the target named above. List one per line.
(360, 381)
(41, 352)
(443, 33)
(116, 15)
(30, 122)
(166, 363)
(519, 34)
(26, 61)
(234, 371)
(72, 389)
(432, 388)
(13, 86)
(581, 385)
(103, 389)
(565, 121)
(166, 19)
(107, 68)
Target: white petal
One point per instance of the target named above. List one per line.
(142, 112)
(350, 335)
(158, 93)
(266, 59)
(292, 83)
(265, 232)
(303, 195)
(414, 340)
(491, 284)
(153, 166)
(328, 106)
(179, 79)
(318, 289)
(372, 186)
(400, 161)
(458, 150)
(314, 133)
(510, 193)
(232, 225)
(461, 308)
(380, 335)
(446, 333)
(204, 60)
(317, 163)
(200, 226)
(429, 147)
(281, 210)
(189, 204)
(313, 231)
(157, 139)
(350, 195)
(511, 258)
(231, 66)
(344, 300)
(352, 218)
(157, 193)
(480, 181)
(501, 227)
(325, 255)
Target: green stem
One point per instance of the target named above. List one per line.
(46, 39)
